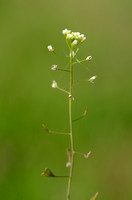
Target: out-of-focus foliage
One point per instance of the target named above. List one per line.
(27, 99)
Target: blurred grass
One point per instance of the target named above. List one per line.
(27, 99)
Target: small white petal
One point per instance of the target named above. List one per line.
(74, 42)
(64, 31)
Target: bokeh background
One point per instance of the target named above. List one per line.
(27, 100)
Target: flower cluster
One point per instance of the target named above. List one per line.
(75, 37)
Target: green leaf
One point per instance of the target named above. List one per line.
(47, 173)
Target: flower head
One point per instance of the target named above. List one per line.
(89, 58)
(54, 67)
(74, 36)
(54, 84)
(50, 48)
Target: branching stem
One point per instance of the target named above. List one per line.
(70, 121)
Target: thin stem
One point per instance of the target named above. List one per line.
(62, 90)
(79, 62)
(61, 176)
(77, 81)
(68, 44)
(65, 70)
(56, 132)
(79, 153)
(82, 154)
(81, 117)
(84, 114)
(70, 121)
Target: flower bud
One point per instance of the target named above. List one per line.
(92, 79)
(50, 48)
(70, 97)
(54, 67)
(69, 36)
(83, 39)
(74, 42)
(65, 31)
(89, 58)
(54, 84)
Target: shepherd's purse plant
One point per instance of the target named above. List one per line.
(74, 40)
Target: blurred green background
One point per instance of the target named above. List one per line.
(27, 100)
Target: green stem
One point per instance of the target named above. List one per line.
(62, 90)
(79, 62)
(65, 70)
(71, 133)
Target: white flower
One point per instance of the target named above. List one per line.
(77, 34)
(74, 42)
(54, 84)
(89, 58)
(71, 97)
(50, 48)
(92, 79)
(69, 36)
(54, 67)
(65, 31)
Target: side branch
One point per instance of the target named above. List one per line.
(84, 114)
(85, 155)
(55, 132)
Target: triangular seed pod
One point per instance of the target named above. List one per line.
(47, 173)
